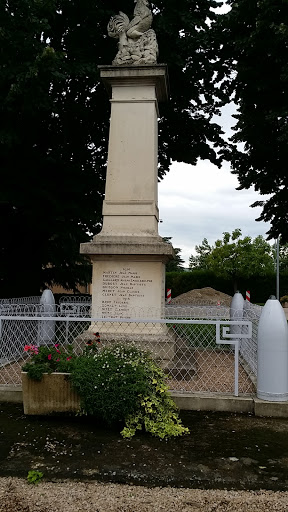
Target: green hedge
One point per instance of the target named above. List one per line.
(261, 287)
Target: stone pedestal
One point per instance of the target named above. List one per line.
(129, 256)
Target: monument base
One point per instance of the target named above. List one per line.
(128, 279)
(160, 345)
(128, 282)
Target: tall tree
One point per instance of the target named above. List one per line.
(234, 257)
(54, 121)
(177, 264)
(255, 48)
(201, 259)
(283, 257)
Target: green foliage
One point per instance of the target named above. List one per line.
(175, 265)
(234, 257)
(200, 260)
(34, 477)
(260, 286)
(254, 37)
(48, 359)
(283, 257)
(124, 384)
(54, 122)
(109, 383)
(157, 415)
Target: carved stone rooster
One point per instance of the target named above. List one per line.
(137, 43)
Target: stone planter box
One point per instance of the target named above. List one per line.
(53, 394)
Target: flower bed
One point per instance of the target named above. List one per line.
(117, 384)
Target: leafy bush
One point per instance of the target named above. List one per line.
(34, 477)
(116, 384)
(124, 384)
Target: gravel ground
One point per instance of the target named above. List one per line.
(16, 495)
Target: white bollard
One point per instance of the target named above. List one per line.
(46, 328)
(272, 372)
(236, 312)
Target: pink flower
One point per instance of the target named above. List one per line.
(68, 358)
(58, 351)
(57, 360)
(57, 345)
(33, 348)
(50, 357)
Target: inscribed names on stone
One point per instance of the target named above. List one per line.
(124, 289)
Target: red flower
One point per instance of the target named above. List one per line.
(97, 336)
(32, 348)
(50, 357)
(68, 358)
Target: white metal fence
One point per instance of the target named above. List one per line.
(193, 343)
(248, 347)
(34, 299)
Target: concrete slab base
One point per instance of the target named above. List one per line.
(212, 402)
(274, 409)
(195, 402)
(11, 394)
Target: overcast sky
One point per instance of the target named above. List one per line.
(201, 201)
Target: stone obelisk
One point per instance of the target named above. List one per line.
(128, 255)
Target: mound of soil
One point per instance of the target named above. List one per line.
(203, 296)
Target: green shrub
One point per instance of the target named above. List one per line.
(116, 384)
(34, 477)
(123, 383)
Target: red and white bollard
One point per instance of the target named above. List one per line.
(168, 296)
(248, 295)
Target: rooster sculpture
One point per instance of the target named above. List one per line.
(137, 43)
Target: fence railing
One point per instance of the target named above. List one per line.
(199, 354)
(22, 300)
(248, 347)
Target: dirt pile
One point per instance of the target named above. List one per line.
(203, 296)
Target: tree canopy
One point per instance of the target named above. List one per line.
(175, 265)
(200, 260)
(254, 35)
(283, 257)
(54, 121)
(234, 257)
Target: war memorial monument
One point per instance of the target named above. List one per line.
(128, 255)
